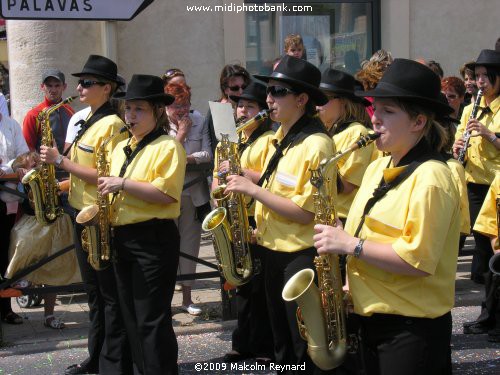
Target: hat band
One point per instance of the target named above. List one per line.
(399, 91)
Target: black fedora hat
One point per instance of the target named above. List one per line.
(408, 79)
(145, 87)
(301, 75)
(487, 57)
(99, 66)
(340, 83)
(255, 91)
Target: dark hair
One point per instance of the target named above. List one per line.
(497, 45)
(435, 67)
(435, 134)
(493, 73)
(230, 71)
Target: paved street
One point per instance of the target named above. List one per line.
(203, 340)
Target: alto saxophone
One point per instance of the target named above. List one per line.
(321, 314)
(95, 218)
(467, 134)
(228, 223)
(41, 181)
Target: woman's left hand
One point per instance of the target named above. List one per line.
(48, 154)
(477, 128)
(240, 184)
(107, 185)
(333, 240)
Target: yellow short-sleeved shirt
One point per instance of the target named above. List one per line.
(161, 163)
(291, 180)
(420, 218)
(81, 193)
(483, 159)
(458, 173)
(351, 167)
(486, 221)
(253, 158)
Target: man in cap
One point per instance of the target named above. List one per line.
(53, 85)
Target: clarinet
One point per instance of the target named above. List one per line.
(467, 134)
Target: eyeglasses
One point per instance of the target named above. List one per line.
(278, 91)
(451, 96)
(237, 88)
(86, 83)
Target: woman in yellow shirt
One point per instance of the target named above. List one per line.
(107, 342)
(487, 223)
(284, 210)
(483, 156)
(147, 175)
(402, 231)
(252, 337)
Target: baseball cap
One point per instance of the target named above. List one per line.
(55, 73)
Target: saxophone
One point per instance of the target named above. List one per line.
(321, 315)
(41, 181)
(228, 223)
(95, 218)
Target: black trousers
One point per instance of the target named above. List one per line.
(6, 224)
(289, 347)
(253, 333)
(490, 306)
(482, 252)
(107, 342)
(395, 345)
(146, 269)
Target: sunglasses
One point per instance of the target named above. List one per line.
(451, 96)
(332, 97)
(236, 88)
(279, 91)
(174, 72)
(86, 83)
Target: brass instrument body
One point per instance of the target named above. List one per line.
(42, 181)
(467, 134)
(96, 235)
(228, 223)
(321, 315)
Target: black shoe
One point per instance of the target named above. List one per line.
(234, 356)
(83, 368)
(494, 335)
(475, 328)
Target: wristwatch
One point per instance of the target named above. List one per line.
(358, 249)
(59, 160)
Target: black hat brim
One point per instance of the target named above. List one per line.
(162, 98)
(252, 98)
(386, 90)
(314, 92)
(91, 72)
(344, 93)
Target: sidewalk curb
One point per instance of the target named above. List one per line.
(26, 348)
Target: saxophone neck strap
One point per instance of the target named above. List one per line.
(131, 154)
(300, 131)
(105, 110)
(383, 188)
(242, 146)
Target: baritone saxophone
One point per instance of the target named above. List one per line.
(96, 217)
(42, 183)
(321, 314)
